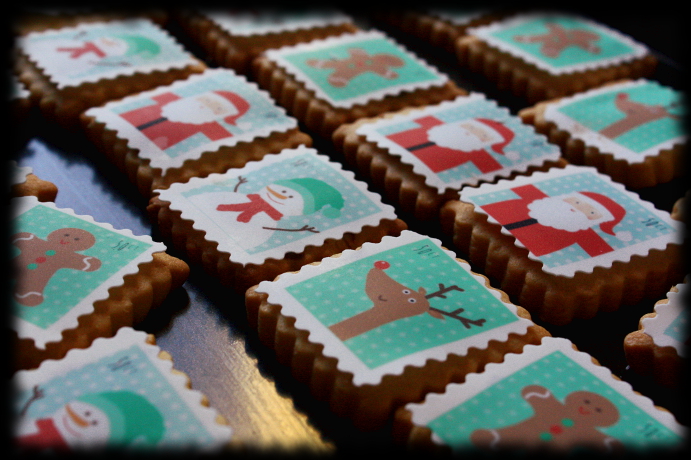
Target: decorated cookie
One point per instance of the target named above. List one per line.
(549, 398)
(271, 216)
(432, 152)
(541, 56)
(567, 242)
(632, 130)
(23, 182)
(121, 392)
(207, 123)
(74, 68)
(325, 83)
(381, 325)
(232, 38)
(658, 348)
(440, 26)
(75, 279)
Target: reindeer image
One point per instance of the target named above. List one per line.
(635, 115)
(393, 301)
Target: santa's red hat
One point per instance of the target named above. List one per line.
(503, 131)
(615, 210)
(240, 104)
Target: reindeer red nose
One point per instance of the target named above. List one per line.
(382, 264)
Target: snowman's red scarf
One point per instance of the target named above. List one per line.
(248, 210)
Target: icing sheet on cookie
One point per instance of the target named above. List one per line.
(669, 327)
(356, 68)
(560, 44)
(549, 396)
(272, 21)
(172, 124)
(63, 264)
(461, 142)
(630, 120)
(91, 52)
(117, 393)
(395, 303)
(574, 219)
(281, 204)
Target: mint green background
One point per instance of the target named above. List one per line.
(597, 112)
(609, 46)
(678, 329)
(112, 373)
(340, 293)
(501, 405)
(411, 72)
(68, 287)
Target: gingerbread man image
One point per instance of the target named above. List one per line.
(358, 63)
(555, 425)
(558, 39)
(40, 259)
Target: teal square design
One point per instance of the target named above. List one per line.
(501, 405)
(609, 45)
(67, 288)
(339, 294)
(411, 72)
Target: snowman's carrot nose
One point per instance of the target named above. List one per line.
(75, 417)
(276, 194)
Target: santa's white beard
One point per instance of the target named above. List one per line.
(556, 213)
(454, 136)
(190, 110)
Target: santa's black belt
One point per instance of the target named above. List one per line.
(151, 123)
(421, 146)
(520, 223)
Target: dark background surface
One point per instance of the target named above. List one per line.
(203, 325)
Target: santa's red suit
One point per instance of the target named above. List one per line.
(439, 158)
(47, 436)
(537, 238)
(166, 133)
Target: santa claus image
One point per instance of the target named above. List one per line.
(254, 217)
(442, 146)
(545, 224)
(171, 118)
(110, 418)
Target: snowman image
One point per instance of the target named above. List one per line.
(79, 54)
(252, 218)
(110, 418)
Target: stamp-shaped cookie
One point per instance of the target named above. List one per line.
(74, 68)
(375, 327)
(75, 279)
(541, 56)
(421, 157)
(658, 347)
(549, 398)
(232, 38)
(440, 26)
(271, 216)
(631, 130)
(567, 242)
(122, 392)
(325, 83)
(23, 182)
(205, 124)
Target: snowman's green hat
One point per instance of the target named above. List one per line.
(138, 44)
(131, 416)
(317, 195)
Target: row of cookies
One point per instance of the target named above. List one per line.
(305, 190)
(83, 378)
